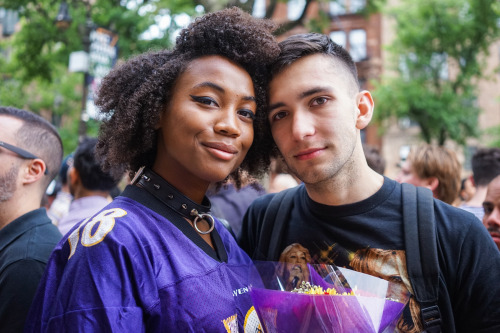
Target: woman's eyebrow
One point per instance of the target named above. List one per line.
(211, 85)
(222, 90)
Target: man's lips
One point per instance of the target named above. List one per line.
(308, 153)
(221, 150)
(495, 233)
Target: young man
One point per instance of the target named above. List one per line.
(30, 157)
(88, 184)
(434, 167)
(349, 215)
(491, 205)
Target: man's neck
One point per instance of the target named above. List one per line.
(83, 192)
(478, 197)
(346, 190)
(9, 212)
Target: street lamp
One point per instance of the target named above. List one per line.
(63, 21)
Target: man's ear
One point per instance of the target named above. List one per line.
(35, 170)
(73, 176)
(471, 177)
(365, 106)
(432, 183)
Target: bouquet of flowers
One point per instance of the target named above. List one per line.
(321, 298)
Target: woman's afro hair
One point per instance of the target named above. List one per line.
(133, 96)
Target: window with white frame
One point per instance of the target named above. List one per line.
(337, 7)
(357, 44)
(295, 8)
(356, 6)
(339, 37)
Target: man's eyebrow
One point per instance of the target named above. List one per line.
(222, 90)
(314, 90)
(275, 106)
(304, 94)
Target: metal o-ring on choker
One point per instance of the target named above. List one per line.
(199, 217)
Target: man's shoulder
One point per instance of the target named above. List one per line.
(262, 203)
(33, 248)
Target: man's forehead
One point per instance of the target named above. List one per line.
(330, 68)
(9, 126)
(493, 193)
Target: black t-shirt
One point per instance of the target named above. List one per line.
(367, 236)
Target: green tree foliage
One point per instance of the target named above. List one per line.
(438, 55)
(34, 63)
(33, 68)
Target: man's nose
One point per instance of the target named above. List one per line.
(302, 125)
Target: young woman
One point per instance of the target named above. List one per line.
(155, 259)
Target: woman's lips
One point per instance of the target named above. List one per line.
(221, 150)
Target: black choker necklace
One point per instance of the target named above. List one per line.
(174, 199)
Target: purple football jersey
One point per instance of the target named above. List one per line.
(128, 269)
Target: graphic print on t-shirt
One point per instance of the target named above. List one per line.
(385, 264)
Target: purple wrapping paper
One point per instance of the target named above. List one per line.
(287, 312)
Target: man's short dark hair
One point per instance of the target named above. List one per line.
(298, 46)
(89, 167)
(39, 137)
(485, 165)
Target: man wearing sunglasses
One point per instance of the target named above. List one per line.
(30, 157)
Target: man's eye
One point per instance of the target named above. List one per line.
(319, 101)
(247, 114)
(487, 209)
(204, 100)
(278, 115)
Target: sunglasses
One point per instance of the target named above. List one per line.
(21, 152)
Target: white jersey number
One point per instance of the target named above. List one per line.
(95, 229)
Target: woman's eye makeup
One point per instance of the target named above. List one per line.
(247, 114)
(204, 100)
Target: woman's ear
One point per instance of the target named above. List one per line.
(365, 106)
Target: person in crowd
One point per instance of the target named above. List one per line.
(491, 205)
(60, 206)
(30, 156)
(374, 159)
(230, 204)
(344, 209)
(467, 189)
(155, 259)
(485, 166)
(279, 178)
(88, 184)
(434, 167)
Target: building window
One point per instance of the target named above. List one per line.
(339, 37)
(337, 7)
(259, 8)
(357, 44)
(295, 8)
(357, 6)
